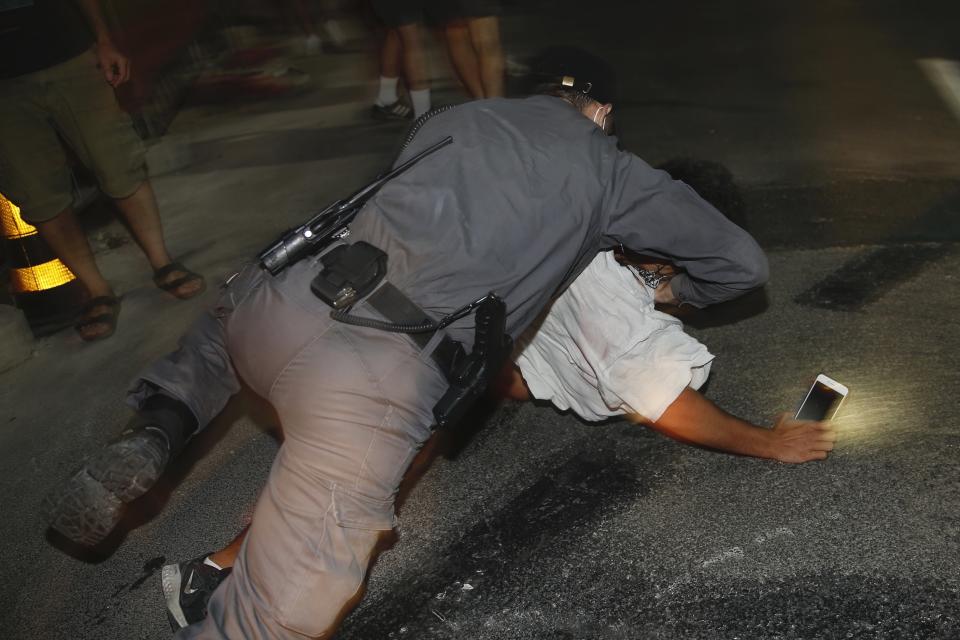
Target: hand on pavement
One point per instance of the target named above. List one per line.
(797, 441)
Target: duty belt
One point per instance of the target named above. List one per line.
(393, 305)
(468, 374)
(356, 272)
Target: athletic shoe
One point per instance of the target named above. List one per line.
(394, 111)
(91, 503)
(187, 586)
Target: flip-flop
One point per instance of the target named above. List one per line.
(172, 286)
(108, 318)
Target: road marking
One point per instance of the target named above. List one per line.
(734, 553)
(945, 76)
(869, 275)
(806, 527)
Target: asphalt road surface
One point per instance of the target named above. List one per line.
(531, 524)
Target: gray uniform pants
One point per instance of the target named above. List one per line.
(355, 406)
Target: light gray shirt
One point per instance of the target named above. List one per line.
(601, 349)
(521, 202)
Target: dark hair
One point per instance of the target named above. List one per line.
(713, 182)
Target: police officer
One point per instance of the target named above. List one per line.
(525, 196)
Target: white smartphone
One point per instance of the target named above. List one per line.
(823, 399)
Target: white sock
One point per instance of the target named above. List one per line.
(208, 561)
(388, 91)
(421, 101)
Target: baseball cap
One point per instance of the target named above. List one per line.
(574, 68)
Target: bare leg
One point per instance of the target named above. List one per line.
(69, 243)
(414, 57)
(464, 58)
(387, 105)
(391, 55)
(142, 216)
(485, 34)
(227, 556)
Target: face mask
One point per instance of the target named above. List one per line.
(600, 121)
(597, 113)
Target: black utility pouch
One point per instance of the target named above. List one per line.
(349, 273)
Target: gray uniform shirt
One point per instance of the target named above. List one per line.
(527, 194)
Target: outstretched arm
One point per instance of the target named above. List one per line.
(694, 419)
(114, 65)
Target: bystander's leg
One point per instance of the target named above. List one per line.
(485, 34)
(415, 67)
(464, 57)
(142, 216)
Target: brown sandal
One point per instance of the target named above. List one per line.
(108, 318)
(172, 285)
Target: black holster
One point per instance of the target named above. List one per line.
(472, 375)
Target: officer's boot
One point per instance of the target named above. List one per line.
(90, 504)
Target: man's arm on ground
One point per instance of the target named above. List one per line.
(694, 419)
(114, 65)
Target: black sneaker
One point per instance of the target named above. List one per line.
(91, 503)
(394, 111)
(187, 586)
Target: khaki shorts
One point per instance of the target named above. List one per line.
(68, 103)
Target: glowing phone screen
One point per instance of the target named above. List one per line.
(820, 404)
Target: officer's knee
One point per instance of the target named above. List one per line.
(334, 583)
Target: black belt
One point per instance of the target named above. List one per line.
(393, 305)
